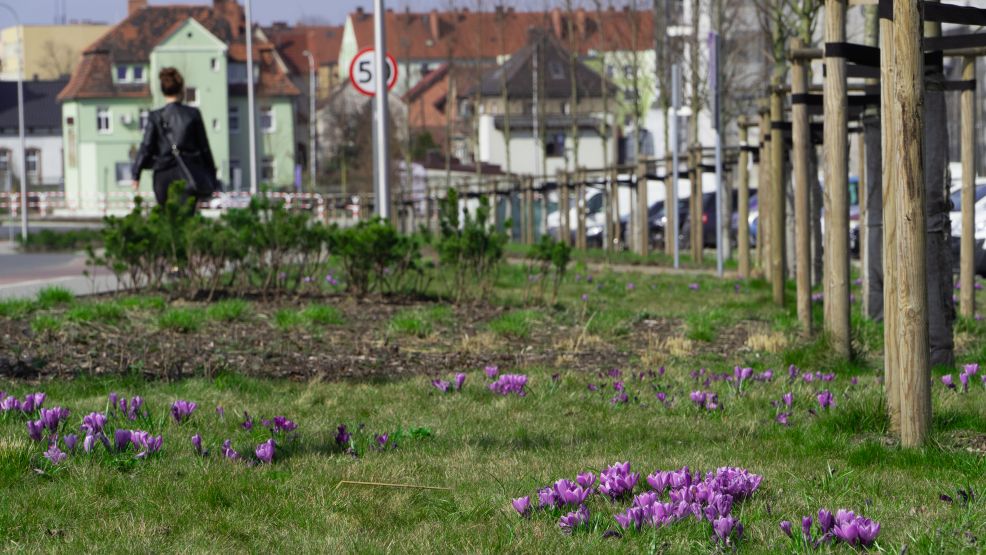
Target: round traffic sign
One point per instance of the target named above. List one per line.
(363, 76)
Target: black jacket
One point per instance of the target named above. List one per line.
(187, 129)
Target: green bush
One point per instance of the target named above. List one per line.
(229, 310)
(375, 257)
(53, 296)
(469, 245)
(551, 259)
(47, 240)
(182, 320)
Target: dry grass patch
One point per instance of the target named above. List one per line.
(774, 342)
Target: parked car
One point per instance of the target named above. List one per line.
(710, 219)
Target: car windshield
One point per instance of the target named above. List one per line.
(957, 197)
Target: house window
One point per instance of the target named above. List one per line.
(144, 116)
(215, 124)
(235, 174)
(121, 74)
(214, 64)
(123, 175)
(554, 146)
(267, 169)
(32, 163)
(139, 74)
(556, 70)
(191, 96)
(4, 165)
(267, 121)
(104, 121)
(234, 119)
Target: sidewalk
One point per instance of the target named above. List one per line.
(23, 275)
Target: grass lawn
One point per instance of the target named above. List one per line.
(485, 448)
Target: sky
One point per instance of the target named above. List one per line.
(264, 11)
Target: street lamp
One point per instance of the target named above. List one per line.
(20, 122)
(251, 107)
(313, 164)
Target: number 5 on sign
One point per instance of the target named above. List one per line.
(362, 75)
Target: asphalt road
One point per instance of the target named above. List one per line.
(23, 275)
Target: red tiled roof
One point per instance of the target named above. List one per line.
(470, 35)
(324, 42)
(133, 39)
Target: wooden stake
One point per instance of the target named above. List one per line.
(889, 128)
(529, 210)
(580, 240)
(671, 214)
(967, 271)
(836, 190)
(763, 196)
(743, 227)
(643, 207)
(801, 135)
(564, 226)
(778, 199)
(906, 73)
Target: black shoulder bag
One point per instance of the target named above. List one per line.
(199, 181)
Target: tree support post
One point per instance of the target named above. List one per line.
(529, 210)
(777, 197)
(643, 225)
(967, 272)
(763, 195)
(580, 241)
(696, 205)
(743, 227)
(564, 225)
(801, 138)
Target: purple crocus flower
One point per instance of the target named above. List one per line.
(220, 411)
(342, 436)
(9, 403)
(693, 286)
(88, 443)
(93, 423)
(547, 497)
(825, 520)
(661, 396)
(440, 385)
(788, 399)
(510, 383)
(265, 451)
(113, 399)
(53, 417)
(574, 519)
(121, 439)
(786, 528)
(631, 286)
(70, 441)
(586, 479)
(568, 493)
(197, 444)
(826, 400)
(182, 410)
(491, 371)
(460, 379)
(135, 405)
(806, 527)
(382, 440)
(283, 424)
(947, 380)
(32, 402)
(585, 297)
(620, 398)
(54, 454)
(247, 421)
(782, 418)
(727, 529)
(35, 428)
(229, 452)
(145, 443)
(522, 505)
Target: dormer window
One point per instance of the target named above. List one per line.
(122, 74)
(139, 74)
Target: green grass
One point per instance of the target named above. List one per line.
(182, 320)
(419, 322)
(229, 310)
(44, 323)
(516, 324)
(104, 312)
(53, 296)
(313, 315)
(143, 302)
(15, 308)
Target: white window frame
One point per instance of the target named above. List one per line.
(234, 128)
(33, 176)
(126, 177)
(273, 119)
(216, 126)
(214, 64)
(195, 90)
(126, 74)
(143, 74)
(273, 168)
(103, 111)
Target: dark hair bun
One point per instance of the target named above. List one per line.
(172, 83)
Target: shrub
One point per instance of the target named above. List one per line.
(375, 257)
(52, 296)
(47, 240)
(469, 245)
(551, 258)
(182, 320)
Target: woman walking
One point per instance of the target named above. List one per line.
(175, 145)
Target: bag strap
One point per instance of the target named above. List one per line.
(167, 135)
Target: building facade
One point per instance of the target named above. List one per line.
(106, 103)
(43, 135)
(50, 51)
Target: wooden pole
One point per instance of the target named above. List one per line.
(967, 272)
(743, 227)
(777, 198)
(801, 138)
(763, 196)
(564, 225)
(614, 184)
(529, 210)
(888, 128)
(861, 231)
(643, 226)
(580, 241)
(836, 249)
(905, 146)
(670, 213)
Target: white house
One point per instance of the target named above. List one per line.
(43, 135)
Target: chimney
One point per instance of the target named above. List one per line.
(556, 23)
(134, 6)
(433, 24)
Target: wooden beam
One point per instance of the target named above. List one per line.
(743, 226)
(801, 140)
(778, 202)
(580, 210)
(564, 193)
(836, 191)
(763, 196)
(643, 227)
(967, 271)
(910, 343)
(888, 128)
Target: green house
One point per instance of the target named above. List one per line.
(106, 102)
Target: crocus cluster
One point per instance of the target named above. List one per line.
(446, 386)
(707, 400)
(143, 442)
(574, 520)
(617, 482)
(844, 526)
(280, 424)
(50, 420)
(182, 410)
(510, 383)
(132, 409)
(31, 402)
(968, 371)
(826, 400)
(265, 451)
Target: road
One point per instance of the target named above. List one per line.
(23, 275)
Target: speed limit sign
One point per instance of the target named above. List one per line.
(361, 72)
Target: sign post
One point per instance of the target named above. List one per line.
(380, 130)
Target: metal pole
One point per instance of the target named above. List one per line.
(717, 114)
(251, 108)
(671, 210)
(22, 158)
(380, 134)
(313, 159)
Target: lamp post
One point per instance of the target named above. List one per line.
(312, 146)
(251, 108)
(22, 158)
